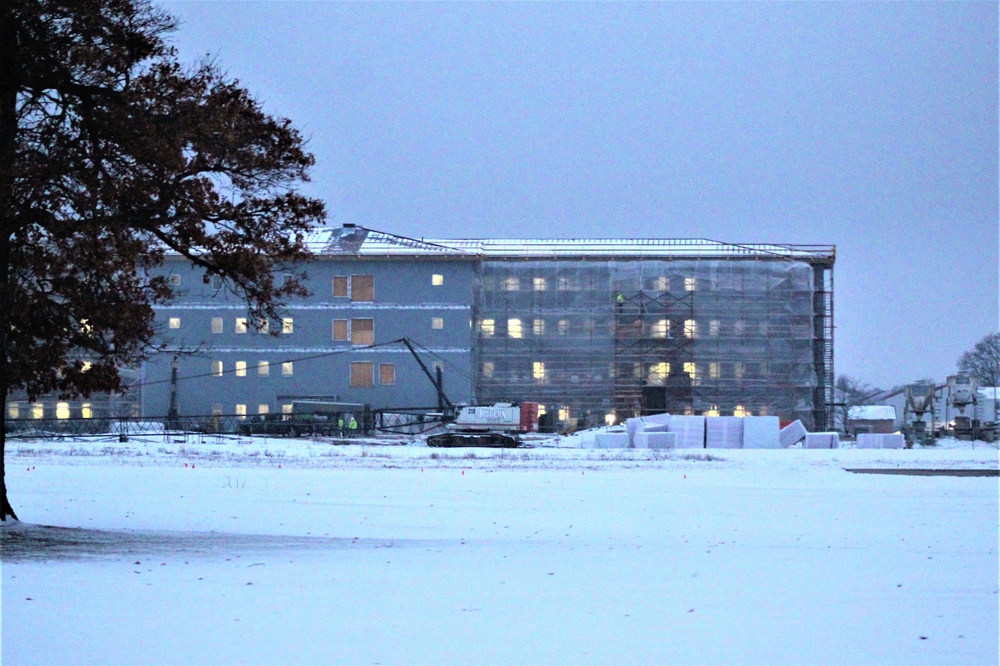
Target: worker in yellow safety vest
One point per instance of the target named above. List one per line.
(352, 425)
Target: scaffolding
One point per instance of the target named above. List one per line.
(596, 340)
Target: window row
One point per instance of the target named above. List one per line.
(36, 410)
(662, 328)
(262, 368)
(359, 331)
(577, 283)
(653, 374)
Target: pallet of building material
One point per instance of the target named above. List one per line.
(611, 440)
(690, 431)
(792, 433)
(656, 440)
(822, 440)
(880, 441)
(723, 432)
(761, 432)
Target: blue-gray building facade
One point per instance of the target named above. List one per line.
(594, 331)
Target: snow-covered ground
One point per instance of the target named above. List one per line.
(226, 550)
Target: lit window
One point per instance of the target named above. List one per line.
(713, 370)
(175, 280)
(175, 322)
(566, 284)
(740, 411)
(216, 325)
(263, 326)
(286, 408)
(241, 411)
(514, 328)
(362, 287)
(86, 411)
(712, 411)
(564, 413)
(217, 368)
(691, 369)
(609, 419)
(538, 327)
(287, 369)
(387, 374)
(437, 279)
(540, 284)
(13, 411)
(488, 368)
(340, 286)
(661, 329)
(263, 368)
(563, 326)
(690, 328)
(538, 372)
(263, 409)
(657, 375)
(287, 325)
(241, 325)
(437, 323)
(713, 327)
(362, 374)
(87, 365)
(62, 410)
(690, 284)
(512, 283)
(739, 370)
(38, 411)
(241, 368)
(340, 330)
(488, 328)
(541, 410)
(661, 284)
(362, 331)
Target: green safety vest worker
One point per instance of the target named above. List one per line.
(619, 298)
(352, 424)
(340, 423)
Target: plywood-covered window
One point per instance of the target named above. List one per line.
(362, 374)
(340, 330)
(363, 288)
(362, 331)
(387, 374)
(340, 286)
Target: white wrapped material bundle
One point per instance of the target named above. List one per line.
(724, 432)
(690, 431)
(822, 440)
(792, 433)
(611, 440)
(761, 432)
(876, 441)
(656, 440)
(656, 423)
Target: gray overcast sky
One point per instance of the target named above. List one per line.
(871, 126)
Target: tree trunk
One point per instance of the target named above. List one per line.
(8, 144)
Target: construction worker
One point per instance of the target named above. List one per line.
(352, 425)
(619, 300)
(340, 425)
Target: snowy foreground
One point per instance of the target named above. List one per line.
(277, 552)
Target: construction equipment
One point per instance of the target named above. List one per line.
(498, 426)
(919, 400)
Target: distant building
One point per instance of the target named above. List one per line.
(873, 419)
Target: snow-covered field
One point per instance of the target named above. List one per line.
(225, 551)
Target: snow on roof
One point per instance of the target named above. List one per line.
(872, 413)
(355, 240)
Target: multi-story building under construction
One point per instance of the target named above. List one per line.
(593, 330)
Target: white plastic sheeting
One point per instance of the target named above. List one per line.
(761, 432)
(611, 440)
(690, 431)
(792, 433)
(656, 440)
(874, 441)
(822, 440)
(724, 432)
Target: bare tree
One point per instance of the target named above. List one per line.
(111, 155)
(852, 392)
(983, 363)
